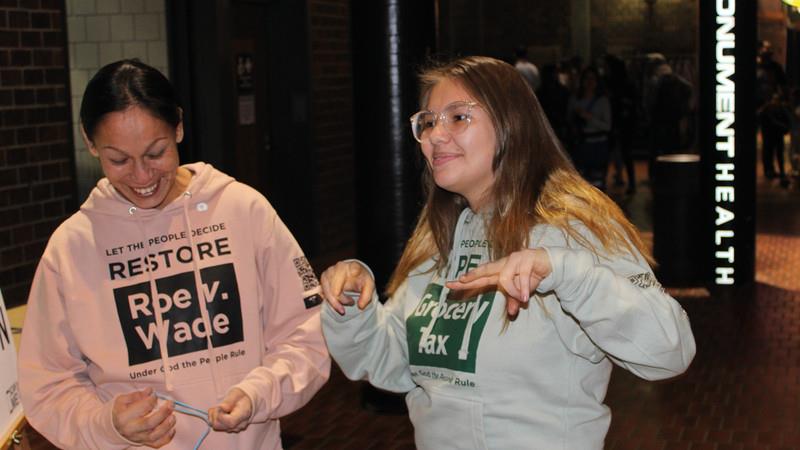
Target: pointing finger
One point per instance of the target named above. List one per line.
(483, 270)
(484, 281)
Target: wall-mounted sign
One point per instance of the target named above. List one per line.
(727, 137)
(244, 89)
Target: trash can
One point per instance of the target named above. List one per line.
(677, 223)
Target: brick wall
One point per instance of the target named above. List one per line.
(100, 32)
(37, 176)
(332, 117)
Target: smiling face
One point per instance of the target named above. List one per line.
(139, 155)
(461, 163)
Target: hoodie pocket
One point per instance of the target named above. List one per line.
(443, 422)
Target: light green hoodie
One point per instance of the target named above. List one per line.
(538, 384)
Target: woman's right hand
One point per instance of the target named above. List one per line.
(347, 276)
(135, 419)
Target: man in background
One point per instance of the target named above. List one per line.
(528, 70)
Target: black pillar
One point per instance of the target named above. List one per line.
(727, 134)
(793, 55)
(391, 39)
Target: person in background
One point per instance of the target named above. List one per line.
(554, 98)
(569, 72)
(794, 146)
(527, 68)
(775, 119)
(770, 76)
(589, 112)
(668, 103)
(172, 283)
(670, 110)
(622, 94)
(520, 288)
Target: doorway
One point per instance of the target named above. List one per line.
(242, 72)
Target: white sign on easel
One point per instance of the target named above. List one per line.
(10, 406)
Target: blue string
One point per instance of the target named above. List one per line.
(184, 408)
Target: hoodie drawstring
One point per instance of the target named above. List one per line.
(463, 352)
(202, 300)
(160, 331)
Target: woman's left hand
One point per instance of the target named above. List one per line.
(233, 413)
(517, 275)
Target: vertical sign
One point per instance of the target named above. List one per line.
(727, 127)
(244, 89)
(10, 406)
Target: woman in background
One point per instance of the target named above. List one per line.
(590, 115)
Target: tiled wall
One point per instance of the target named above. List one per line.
(100, 32)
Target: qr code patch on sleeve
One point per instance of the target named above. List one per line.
(306, 273)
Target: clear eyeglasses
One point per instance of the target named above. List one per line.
(455, 117)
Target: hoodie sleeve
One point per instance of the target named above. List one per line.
(295, 361)
(59, 399)
(622, 308)
(371, 344)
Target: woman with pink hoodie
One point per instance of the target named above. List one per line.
(173, 302)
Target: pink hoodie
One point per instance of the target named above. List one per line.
(92, 330)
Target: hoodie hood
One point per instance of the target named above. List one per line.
(205, 183)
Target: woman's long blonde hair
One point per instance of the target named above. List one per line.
(535, 183)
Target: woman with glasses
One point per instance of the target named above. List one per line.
(518, 289)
